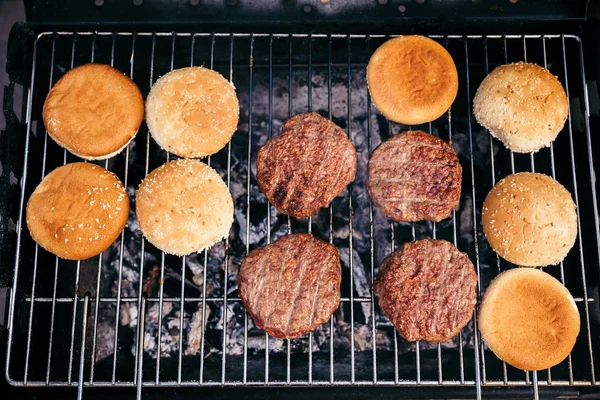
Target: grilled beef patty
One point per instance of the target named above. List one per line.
(306, 166)
(427, 290)
(414, 176)
(291, 286)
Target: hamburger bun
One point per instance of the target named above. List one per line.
(529, 319)
(412, 79)
(77, 211)
(530, 219)
(523, 105)
(93, 111)
(192, 112)
(183, 207)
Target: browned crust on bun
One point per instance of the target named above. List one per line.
(192, 112)
(184, 207)
(77, 211)
(415, 176)
(530, 219)
(523, 105)
(306, 166)
(291, 286)
(93, 111)
(412, 79)
(529, 319)
(427, 288)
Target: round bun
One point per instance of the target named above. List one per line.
(93, 111)
(529, 319)
(523, 105)
(77, 211)
(192, 112)
(291, 286)
(530, 219)
(412, 79)
(183, 207)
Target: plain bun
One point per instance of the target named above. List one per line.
(93, 111)
(529, 319)
(412, 79)
(184, 207)
(192, 112)
(530, 219)
(523, 105)
(77, 211)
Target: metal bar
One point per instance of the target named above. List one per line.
(309, 79)
(82, 350)
(474, 207)
(201, 378)
(576, 194)
(289, 223)
(270, 135)
(140, 348)
(330, 115)
(226, 272)
(37, 247)
(181, 315)
(371, 228)
(350, 213)
(248, 195)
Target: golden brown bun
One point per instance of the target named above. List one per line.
(530, 219)
(529, 319)
(192, 112)
(184, 207)
(523, 105)
(93, 111)
(77, 211)
(412, 79)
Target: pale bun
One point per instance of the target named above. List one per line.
(184, 207)
(529, 319)
(523, 105)
(530, 219)
(192, 112)
(77, 211)
(412, 79)
(93, 111)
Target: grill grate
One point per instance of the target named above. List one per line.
(57, 306)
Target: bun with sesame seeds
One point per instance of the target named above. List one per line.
(192, 112)
(530, 220)
(529, 319)
(184, 207)
(77, 211)
(523, 105)
(93, 111)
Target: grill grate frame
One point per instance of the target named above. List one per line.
(24, 290)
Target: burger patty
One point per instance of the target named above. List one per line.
(427, 290)
(291, 286)
(414, 176)
(306, 166)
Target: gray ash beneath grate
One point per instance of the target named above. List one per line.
(190, 334)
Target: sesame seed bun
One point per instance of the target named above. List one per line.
(412, 79)
(93, 111)
(184, 207)
(523, 105)
(192, 112)
(77, 211)
(530, 219)
(529, 319)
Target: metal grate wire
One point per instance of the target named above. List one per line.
(337, 61)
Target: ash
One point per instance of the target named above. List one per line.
(215, 273)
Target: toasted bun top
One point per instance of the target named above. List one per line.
(412, 79)
(530, 219)
(184, 206)
(523, 105)
(192, 112)
(529, 319)
(77, 211)
(93, 111)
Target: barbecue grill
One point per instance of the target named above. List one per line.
(134, 317)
